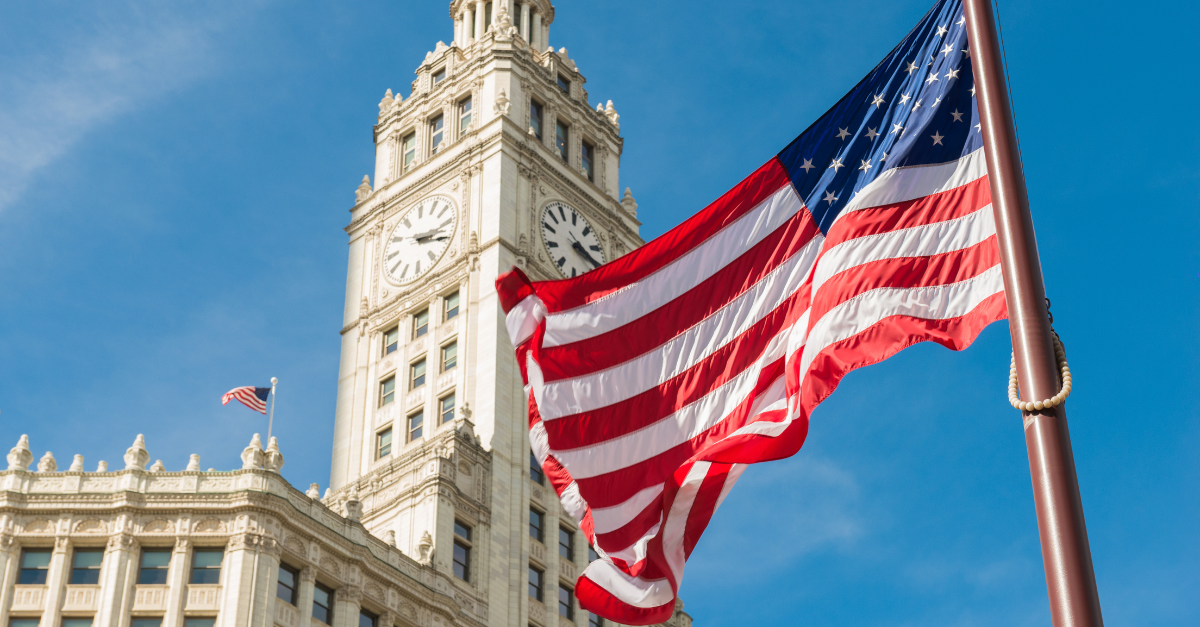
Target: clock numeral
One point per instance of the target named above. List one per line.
(551, 214)
(561, 261)
(418, 267)
(586, 230)
(573, 216)
(548, 227)
(393, 255)
(594, 248)
(407, 223)
(561, 213)
(573, 272)
(443, 225)
(444, 210)
(432, 257)
(420, 211)
(552, 244)
(406, 267)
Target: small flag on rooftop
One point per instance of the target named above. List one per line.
(250, 396)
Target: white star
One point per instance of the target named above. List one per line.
(917, 106)
(972, 91)
(942, 30)
(947, 50)
(829, 197)
(938, 101)
(807, 165)
(978, 128)
(961, 21)
(843, 134)
(904, 98)
(871, 134)
(883, 158)
(878, 100)
(952, 74)
(866, 165)
(912, 67)
(967, 51)
(932, 78)
(896, 128)
(957, 115)
(837, 163)
(937, 138)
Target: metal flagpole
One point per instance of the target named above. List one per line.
(1070, 580)
(271, 420)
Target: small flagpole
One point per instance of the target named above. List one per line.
(271, 419)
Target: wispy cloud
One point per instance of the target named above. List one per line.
(80, 75)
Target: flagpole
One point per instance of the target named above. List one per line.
(271, 419)
(1066, 556)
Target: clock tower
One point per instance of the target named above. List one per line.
(495, 159)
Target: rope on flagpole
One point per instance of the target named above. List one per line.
(271, 419)
(1060, 355)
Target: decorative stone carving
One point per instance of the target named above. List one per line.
(20, 457)
(159, 526)
(274, 459)
(39, 526)
(611, 113)
(252, 455)
(314, 491)
(308, 574)
(193, 463)
(210, 525)
(90, 525)
(386, 104)
(503, 105)
(390, 537)
(629, 204)
(122, 542)
(47, 463)
(350, 594)
(354, 507)
(136, 456)
(331, 566)
(102, 466)
(364, 190)
(425, 549)
(158, 466)
(503, 25)
(76, 464)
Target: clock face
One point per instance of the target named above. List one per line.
(419, 239)
(570, 240)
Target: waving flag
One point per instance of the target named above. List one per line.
(656, 378)
(250, 396)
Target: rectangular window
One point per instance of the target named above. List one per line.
(25, 622)
(449, 356)
(588, 156)
(487, 17)
(367, 619)
(535, 470)
(85, 567)
(77, 622)
(199, 622)
(462, 551)
(391, 340)
(535, 583)
(464, 115)
(420, 323)
(592, 554)
(535, 118)
(450, 306)
(566, 543)
(439, 76)
(154, 566)
(387, 391)
(564, 84)
(35, 563)
(383, 443)
(409, 150)
(286, 588)
(536, 522)
(560, 139)
(446, 407)
(206, 565)
(566, 601)
(416, 375)
(595, 621)
(415, 422)
(323, 604)
(146, 622)
(436, 133)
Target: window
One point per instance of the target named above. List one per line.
(409, 150)
(367, 619)
(85, 567)
(154, 566)
(323, 604)
(535, 583)
(592, 554)
(462, 551)
(464, 115)
(415, 422)
(564, 84)
(387, 391)
(416, 376)
(199, 622)
(383, 443)
(206, 565)
(535, 470)
(535, 118)
(589, 155)
(595, 621)
(450, 306)
(436, 133)
(421, 323)
(146, 622)
(23, 622)
(566, 601)
(449, 356)
(34, 565)
(536, 522)
(487, 17)
(566, 543)
(446, 407)
(77, 622)
(439, 76)
(391, 340)
(560, 138)
(286, 588)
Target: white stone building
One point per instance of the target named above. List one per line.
(437, 514)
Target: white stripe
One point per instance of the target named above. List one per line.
(637, 551)
(735, 473)
(642, 297)
(909, 183)
(606, 387)
(573, 502)
(681, 509)
(631, 590)
(916, 241)
(606, 519)
(938, 302)
(523, 319)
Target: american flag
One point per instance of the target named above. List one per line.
(653, 380)
(250, 396)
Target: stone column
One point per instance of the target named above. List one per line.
(535, 39)
(523, 21)
(468, 22)
(480, 9)
(56, 582)
(346, 601)
(177, 580)
(546, 35)
(9, 552)
(304, 597)
(252, 563)
(117, 575)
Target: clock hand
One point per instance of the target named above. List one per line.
(583, 253)
(428, 235)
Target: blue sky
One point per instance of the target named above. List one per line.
(175, 177)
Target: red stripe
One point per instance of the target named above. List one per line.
(513, 286)
(938, 207)
(685, 311)
(704, 506)
(597, 600)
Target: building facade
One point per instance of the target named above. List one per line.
(437, 512)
